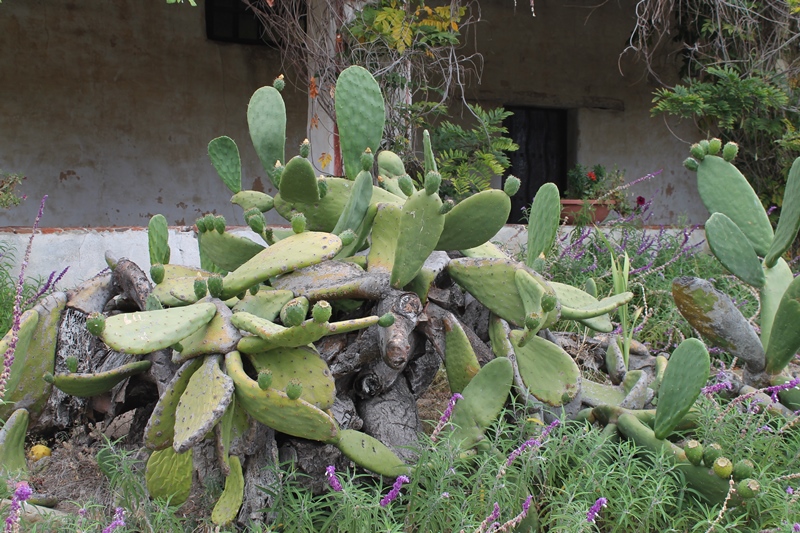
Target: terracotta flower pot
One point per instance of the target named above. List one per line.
(598, 209)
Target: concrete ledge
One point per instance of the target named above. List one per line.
(83, 250)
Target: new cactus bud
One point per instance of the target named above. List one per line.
(279, 83)
(714, 146)
(265, 379)
(694, 452)
(730, 151)
(256, 222)
(72, 363)
(254, 289)
(322, 185)
(208, 222)
(367, 159)
(294, 389)
(743, 469)
(723, 467)
(201, 225)
(348, 236)
(295, 311)
(277, 172)
(214, 284)
(511, 186)
(748, 488)
(698, 152)
(321, 312)
(710, 454)
(548, 302)
(691, 164)
(219, 224)
(96, 323)
(305, 148)
(386, 320)
(157, 272)
(405, 184)
(152, 303)
(533, 321)
(241, 295)
(298, 222)
(447, 206)
(200, 288)
(704, 145)
(432, 181)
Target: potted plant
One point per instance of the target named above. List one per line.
(592, 193)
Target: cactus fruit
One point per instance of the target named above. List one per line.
(295, 311)
(294, 389)
(219, 224)
(710, 454)
(169, 475)
(406, 185)
(96, 323)
(348, 237)
(71, 363)
(200, 287)
(694, 452)
(743, 469)
(321, 312)
(691, 164)
(432, 182)
(714, 146)
(730, 151)
(88, 385)
(255, 219)
(298, 223)
(512, 185)
(367, 160)
(214, 285)
(698, 152)
(279, 83)
(723, 467)
(447, 206)
(748, 488)
(157, 273)
(265, 379)
(386, 320)
(224, 156)
(201, 224)
(686, 373)
(305, 148)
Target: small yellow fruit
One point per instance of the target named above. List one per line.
(38, 451)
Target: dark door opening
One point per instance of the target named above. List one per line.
(542, 156)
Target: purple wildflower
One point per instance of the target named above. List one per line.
(119, 520)
(514, 522)
(716, 387)
(591, 516)
(446, 415)
(762, 429)
(789, 491)
(774, 390)
(395, 492)
(445, 495)
(22, 492)
(532, 442)
(796, 527)
(489, 521)
(333, 481)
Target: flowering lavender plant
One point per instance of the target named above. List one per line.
(21, 494)
(395, 492)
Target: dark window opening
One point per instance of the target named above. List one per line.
(233, 21)
(542, 136)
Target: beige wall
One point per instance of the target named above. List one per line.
(568, 56)
(108, 107)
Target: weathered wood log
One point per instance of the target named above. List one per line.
(132, 282)
(393, 419)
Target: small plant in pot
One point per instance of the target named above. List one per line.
(592, 192)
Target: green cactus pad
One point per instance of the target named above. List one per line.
(394, 186)
(545, 217)
(12, 445)
(202, 404)
(724, 189)
(633, 428)
(686, 373)
(218, 336)
(298, 251)
(370, 453)
(546, 369)
(226, 250)
(716, 317)
(777, 281)
(230, 501)
(157, 239)
(169, 476)
(160, 428)
(270, 336)
(354, 324)
(253, 199)
(498, 336)
(355, 241)
(485, 250)
(583, 307)
(733, 249)
(390, 165)
(224, 433)
(266, 118)
(265, 304)
(789, 223)
(430, 159)
(475, 220)
(304, 364)
(274, 409)
(177, 290)
(360, 114)
(595, 394)
(483, 400)
(421, 224)
(785, 339)
(384, 238)
(357, 204)
(536, 294)
(34, 356)
(224, 156)
(491, 282)
(459, 360)
(88, 385)
(298, 181)
(147, 331)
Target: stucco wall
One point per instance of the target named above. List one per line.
(568, 56)
(108, 107)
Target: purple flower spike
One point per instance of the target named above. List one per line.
(395, 492)
(119, 520)
(22, 492)
(489, 522)
(517, 520)
(333, 481)
(773, 391)
(532, 442)
(789, 491)
(796, 527)
(715, 388)
(591, 516)
(446, 415)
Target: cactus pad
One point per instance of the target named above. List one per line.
(546, 369)
(421, 225)
(266, 118)
(686, 373)
(12, 444)
(303, 364)
(733, 249)
(370, 453)
(88, 385)
(224, 156)
(545, 217)
(160, 429)
(360, 114)
(460, 360)
(227, 251)
(475, 220)
(157, 238)
(298, 181)
(169, 475)
(231, 499)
